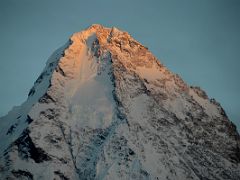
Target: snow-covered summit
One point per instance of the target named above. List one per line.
(105, 108)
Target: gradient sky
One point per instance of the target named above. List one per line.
(197, 39)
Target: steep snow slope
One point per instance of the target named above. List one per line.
(106, 108)
(15, 122)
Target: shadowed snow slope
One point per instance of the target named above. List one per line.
(105, 108)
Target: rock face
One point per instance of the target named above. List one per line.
(105, 108)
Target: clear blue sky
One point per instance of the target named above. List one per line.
(198, 39)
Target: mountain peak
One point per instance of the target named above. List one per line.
(104, 34)
(104, 107)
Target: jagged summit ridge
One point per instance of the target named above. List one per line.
(105, 108)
